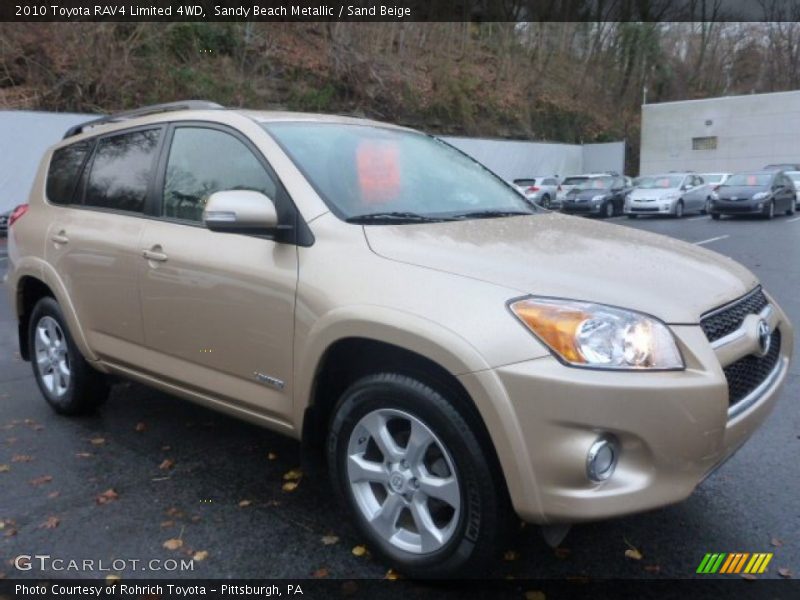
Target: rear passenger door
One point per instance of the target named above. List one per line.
(94, 236)
(218, 307)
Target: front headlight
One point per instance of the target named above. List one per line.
(760, 195)
(598, 198)
(583, 334)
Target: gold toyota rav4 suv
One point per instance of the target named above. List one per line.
(459, 354)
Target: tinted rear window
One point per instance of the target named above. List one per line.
(525, 181)
(121, 171)
(65, 167)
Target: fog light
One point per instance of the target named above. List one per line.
(602, 459)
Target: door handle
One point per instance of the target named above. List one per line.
(154, 254)
(60, 238)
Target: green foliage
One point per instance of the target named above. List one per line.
(188, 41)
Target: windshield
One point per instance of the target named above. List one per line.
(661, 182)
(363, 170)
(595, 183)
(640, 181)
(749, 180)
(794, 175)
(574, 180)
(712, 177)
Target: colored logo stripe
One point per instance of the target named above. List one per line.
(734, 562)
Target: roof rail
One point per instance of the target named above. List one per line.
(141, 112)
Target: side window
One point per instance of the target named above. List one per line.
(203, 161)
(121, 171)
(62, 175)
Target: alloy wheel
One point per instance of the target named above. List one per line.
(52, 358)
(404, 481)
(610, 209)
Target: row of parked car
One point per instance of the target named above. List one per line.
(770, 191)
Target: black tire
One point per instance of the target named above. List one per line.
(608, 210)
(86, 388)
(769, 210)
(546, 201)
(632, 216)
(485, 511)
(791, 209)
(716, 216)
(679, 209)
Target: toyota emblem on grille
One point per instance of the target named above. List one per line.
(764, 338)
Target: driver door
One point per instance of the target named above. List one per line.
(218, 308)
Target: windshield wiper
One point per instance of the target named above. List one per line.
(394, 216)
(490, 214)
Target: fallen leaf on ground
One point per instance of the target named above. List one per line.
(108, 496)
(37, 427)
(166, 524)
(320, 573)
(200, 556)
(83, 454)
(50, 523)
(10, 533)
(166, 448)
(535, 595)
(776, 542)
(98, 441)
(166, 464)
(140, 427)
(173, 544)
(289, 486)
(329, 539)
(633, 553)
(53, 495)
(174, 512)
(652, 568)
(785, 572)
(392, 575)
(359, 551)
(272, 456)
(245, 503)
(510, 555)
(195, 519)
(4, 468)
(41, 480)
(293, 475)
(21, 458)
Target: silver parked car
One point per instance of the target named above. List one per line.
(795, 177)
(667, 194)
(540, 189)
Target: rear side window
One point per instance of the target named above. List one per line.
(65, 167)
(121, 171)
(203, 161)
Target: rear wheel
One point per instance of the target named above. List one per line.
(66, 380)
(410, 467)
(546, 201)
(790, 211)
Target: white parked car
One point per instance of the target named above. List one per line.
(539, 189)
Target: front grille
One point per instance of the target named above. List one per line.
(728, 319)
(747, 373)
(644, 209)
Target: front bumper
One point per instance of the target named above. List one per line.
(658, 207)
(748, 207)
(673, 429)
(584, 208)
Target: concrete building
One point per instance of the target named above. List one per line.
(732, 133)
(518, 159)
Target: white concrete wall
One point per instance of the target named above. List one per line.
(752, 131)
(24, 137)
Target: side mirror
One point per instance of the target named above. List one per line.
(240, 211)
(684, 187)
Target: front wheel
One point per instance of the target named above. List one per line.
(410, 467)
(770, 212)
(66, 380)
(679, 209)
(608, 210)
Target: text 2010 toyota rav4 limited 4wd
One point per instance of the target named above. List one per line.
(461, 355)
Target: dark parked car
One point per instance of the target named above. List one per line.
(4, 216)
(758, 193)
(602, 195)
(783, 167)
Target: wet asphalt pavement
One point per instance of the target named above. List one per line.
(181, 472)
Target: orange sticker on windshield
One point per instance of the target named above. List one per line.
(378, 164)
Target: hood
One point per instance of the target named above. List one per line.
(741, 192)
(653, 193)
(570, 257)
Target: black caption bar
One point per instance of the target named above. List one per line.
(398, 10)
